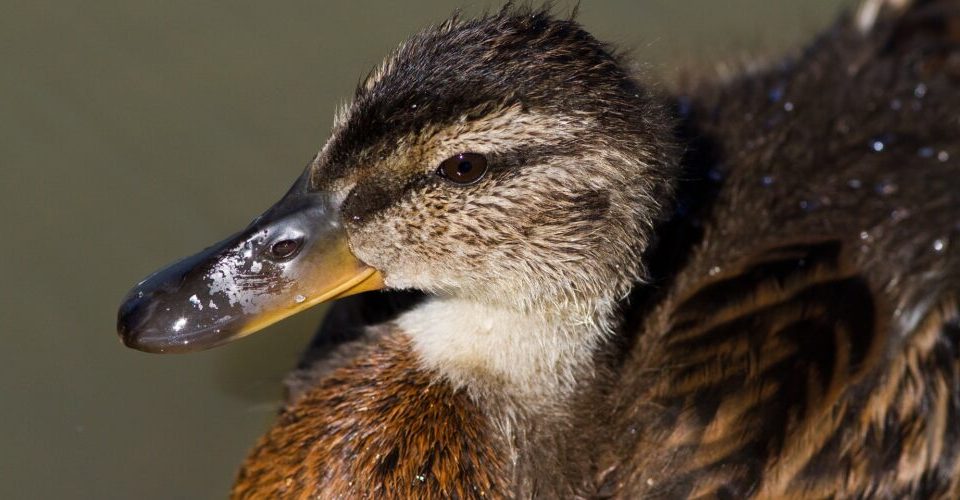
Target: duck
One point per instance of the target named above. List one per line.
(584, 284)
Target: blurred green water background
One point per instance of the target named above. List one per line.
(136, 132)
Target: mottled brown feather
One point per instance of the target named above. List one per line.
(377, 428)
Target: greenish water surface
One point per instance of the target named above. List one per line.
(136, 132)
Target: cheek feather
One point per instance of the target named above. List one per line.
(543, 236)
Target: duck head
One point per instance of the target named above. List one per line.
(508, 160)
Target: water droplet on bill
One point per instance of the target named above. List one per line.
(179, 324)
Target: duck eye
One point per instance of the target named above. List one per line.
(464, 168)
(284, 249)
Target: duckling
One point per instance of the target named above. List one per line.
(748, 288)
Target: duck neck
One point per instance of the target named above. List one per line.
(521, 360)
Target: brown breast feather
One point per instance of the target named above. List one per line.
(377, 428)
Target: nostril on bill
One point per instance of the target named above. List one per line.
(285, 249)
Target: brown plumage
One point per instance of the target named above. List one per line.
(746, 289)
(380, 419)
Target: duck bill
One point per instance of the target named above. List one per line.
(292, 257)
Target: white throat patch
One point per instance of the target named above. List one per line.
(486, 348)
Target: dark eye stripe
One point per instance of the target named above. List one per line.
(464, 168)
